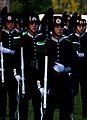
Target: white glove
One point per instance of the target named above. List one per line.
(41, 91)
(58, 67)
(40, 88)
(80, 54)
(18, 77)
(38, 84)
(6, 50)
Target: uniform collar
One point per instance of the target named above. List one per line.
(83, 34)
(78, 35)
(8, 31)
(30, 35)
(17, 30)
(58, 39)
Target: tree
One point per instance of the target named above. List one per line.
(40, 6)
(73, 6)
(54, 4)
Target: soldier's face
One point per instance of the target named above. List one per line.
(33, 27)
(58, 30)
(9, 25)
(81, 28)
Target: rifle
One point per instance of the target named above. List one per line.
(18, 100)
(22, 58)
(44, 96)
(2, 65)
(45, 84)
(1, 54)
(22, 81)
(21, 78)
(18, 96)
(22, 72)
(48, 21)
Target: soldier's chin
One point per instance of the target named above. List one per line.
(34, 30)
(10, 28)
(59, 34)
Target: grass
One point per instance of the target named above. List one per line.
(76, 114)
(78, 108)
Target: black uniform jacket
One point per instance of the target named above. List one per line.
(9, 58)
(80, 45)
(61, 51)
(29, 57)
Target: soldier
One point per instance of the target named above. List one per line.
(30, 69)
(79, 44)
(10, 84)
(61, 59)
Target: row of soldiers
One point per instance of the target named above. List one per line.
(26, 75)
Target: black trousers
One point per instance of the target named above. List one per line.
(24, 106)
(8, 98)
(60, 95)
(64, 106)
(83, 89)
(81, 79)
(31, 93)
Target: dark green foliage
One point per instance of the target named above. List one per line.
(39, 6)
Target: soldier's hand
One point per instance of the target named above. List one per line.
(58, 67)
(18, 78)
(41, 91)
